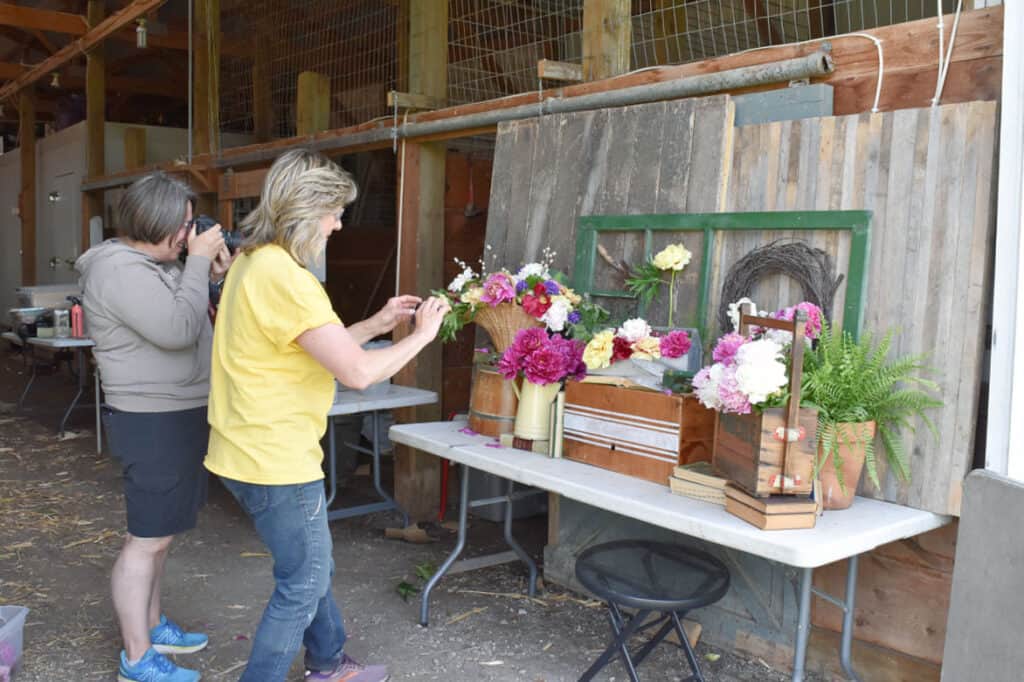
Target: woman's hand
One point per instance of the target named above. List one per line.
(219, 266)
(208, 244)
(397, 309)
(430, 315)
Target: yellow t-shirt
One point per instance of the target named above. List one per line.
(268, 397)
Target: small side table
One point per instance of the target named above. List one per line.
(80, 347)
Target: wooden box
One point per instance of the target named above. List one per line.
(635, 432)
(750, 451)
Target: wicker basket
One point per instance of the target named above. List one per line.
(502, 322)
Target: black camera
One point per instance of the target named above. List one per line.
(202, 223)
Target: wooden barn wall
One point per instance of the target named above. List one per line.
(926, 175)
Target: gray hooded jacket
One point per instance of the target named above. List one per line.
(151, 326)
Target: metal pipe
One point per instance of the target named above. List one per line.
(817, 64)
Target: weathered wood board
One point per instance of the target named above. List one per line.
(925, 174)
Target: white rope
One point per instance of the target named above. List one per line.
(944, 65)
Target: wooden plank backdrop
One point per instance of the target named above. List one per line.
(926, 175)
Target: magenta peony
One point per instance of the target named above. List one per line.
(725, 349)
(675, 344)
(546, 365)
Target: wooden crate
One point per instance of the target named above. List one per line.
(749, 450)
(635, 432)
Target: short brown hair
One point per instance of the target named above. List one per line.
(153, 208)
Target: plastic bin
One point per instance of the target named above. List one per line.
(12, 627)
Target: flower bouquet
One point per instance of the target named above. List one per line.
(635, 350)
(543, 361)
(503, 302)
(761, 445)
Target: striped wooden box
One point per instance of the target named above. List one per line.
(635, 432)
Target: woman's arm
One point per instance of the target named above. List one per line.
(340, 353)
(397, 309)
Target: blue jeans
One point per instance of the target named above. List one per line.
(292, 520)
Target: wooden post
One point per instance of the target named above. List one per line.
(262, 104)
(95, 119)
(206, 81)
(134, 148)
(607, 27)
(313, 103)
(27, 202)
(421, 257)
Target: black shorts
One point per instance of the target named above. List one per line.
(162, 456)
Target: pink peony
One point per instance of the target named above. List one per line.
(812, 330)
(725, 349)
(546, 365)
(499, 288)
(733, 399)
(572, 350)
(509, 365)
(675, 344)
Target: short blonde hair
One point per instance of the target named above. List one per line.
(300, 188)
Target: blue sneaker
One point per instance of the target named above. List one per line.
(154, 667)
(168, 638)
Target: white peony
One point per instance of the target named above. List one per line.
(460, 281)
(558, 314)
(533, 270)
(634, 330)
(760, 371)
(706, 387)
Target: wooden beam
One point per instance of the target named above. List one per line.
(27, 198)
(206, 134)
(242, 184)
(313, 103)
(73, 49)
(29, 18)
(420, 264)
(43, 40)
(607, 28)
(134, 148)
(172, 87)
(410, 100)
(95, 118)
(559, 71)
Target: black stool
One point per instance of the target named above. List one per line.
(649, 577)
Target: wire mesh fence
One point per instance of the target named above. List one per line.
(493, 45)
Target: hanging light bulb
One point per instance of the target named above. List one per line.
(55, 80)
(140, 34)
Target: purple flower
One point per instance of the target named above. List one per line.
(521, 286)
(498, 289)
(482, 350)
(675, 344)
(574, 317)
(468, 431)
(725, 350)
(493, 444)
(552, 287)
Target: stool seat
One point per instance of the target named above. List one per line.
(649, 576)
(655, 576)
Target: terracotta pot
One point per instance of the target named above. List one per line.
(492, 402)
(851, 445)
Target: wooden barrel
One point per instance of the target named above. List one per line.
(492, 403)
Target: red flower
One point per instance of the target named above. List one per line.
(621, 349)
(536, 305)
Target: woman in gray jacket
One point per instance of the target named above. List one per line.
(149, 317)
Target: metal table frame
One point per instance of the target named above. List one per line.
(351, 403)
(79, 347)
(655, 504)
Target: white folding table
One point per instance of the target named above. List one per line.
(373, 403)
(838, 534)
(80, 347)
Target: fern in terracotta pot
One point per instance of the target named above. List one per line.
(859, 393)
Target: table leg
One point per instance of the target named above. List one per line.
(375, 420)
(31, 378)
(460, 544)
(847, 637)
(516, 547)
(99, 420)
(803, 628)
(81, 389)
(332, 464)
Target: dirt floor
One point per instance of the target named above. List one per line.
(61, 521)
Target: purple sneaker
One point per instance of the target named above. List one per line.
(347, 670)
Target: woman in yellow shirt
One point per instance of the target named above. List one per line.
(277, 348)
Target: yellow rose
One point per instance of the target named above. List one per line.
(672, 257)
(647, 348)
(573, 297)
(598, 353)
(473, 296)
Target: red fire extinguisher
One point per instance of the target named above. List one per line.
(77, 320)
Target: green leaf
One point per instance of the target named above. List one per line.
(425, 571)
(406, 590)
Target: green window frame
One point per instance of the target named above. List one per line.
(857, 223)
